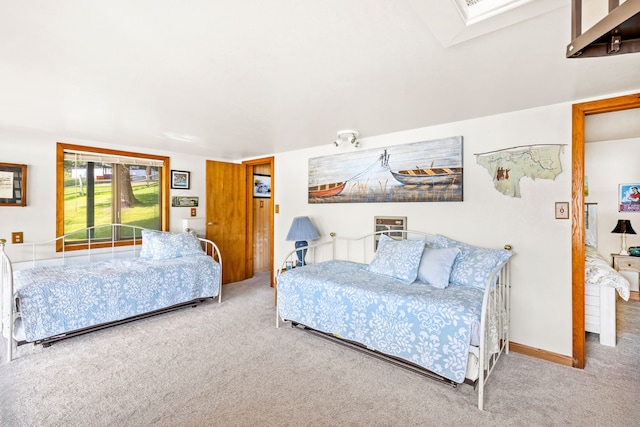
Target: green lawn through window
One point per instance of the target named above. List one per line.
(146, 214)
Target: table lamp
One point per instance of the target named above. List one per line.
(302, 230)
(623, 227)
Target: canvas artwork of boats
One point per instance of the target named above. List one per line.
(425, 171)
(420, 176)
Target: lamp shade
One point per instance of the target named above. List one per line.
(302, 229)
(624, 226)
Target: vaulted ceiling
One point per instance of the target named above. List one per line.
(232, 79)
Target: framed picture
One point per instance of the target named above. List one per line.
(180, 179)
(13, 184)
(261, 186)
(184, 201)
(629, 198)
(424, 171)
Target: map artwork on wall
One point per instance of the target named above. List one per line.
(428, 171)
(507, 166)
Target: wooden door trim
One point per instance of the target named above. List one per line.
(251, 164)
(579, 112)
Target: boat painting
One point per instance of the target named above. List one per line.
(428, 176)
(427, 171)
(325, 190)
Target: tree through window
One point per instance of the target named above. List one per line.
(100, 186)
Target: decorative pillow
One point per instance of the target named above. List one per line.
(474, 264)
(397, 258)
(435, 266)
(165, 245)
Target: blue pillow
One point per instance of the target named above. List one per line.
(435, 266)
(397, 258)
(474, 264)
(165, 245)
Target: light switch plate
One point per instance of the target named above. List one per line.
(562, 210)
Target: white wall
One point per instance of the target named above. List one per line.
(608, 164)
(541, 267)
(38, 219)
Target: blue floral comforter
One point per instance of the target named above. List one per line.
(57, 299)
(419, 323)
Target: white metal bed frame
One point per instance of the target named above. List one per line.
(96, 248)
(496, 302)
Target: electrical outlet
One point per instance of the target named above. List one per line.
(193, 211)
(17, 237)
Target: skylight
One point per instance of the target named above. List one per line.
(455, 21)
(473, 11)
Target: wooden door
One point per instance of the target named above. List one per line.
(227, 217)
(260, 218)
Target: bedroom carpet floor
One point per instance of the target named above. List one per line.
(227, 365)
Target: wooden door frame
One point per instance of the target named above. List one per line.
(577, 196)
(249, 248)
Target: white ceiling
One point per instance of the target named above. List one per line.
(231, 79)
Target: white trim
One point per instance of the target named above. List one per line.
(84, 156)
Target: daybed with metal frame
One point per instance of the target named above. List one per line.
(428, 303)
(58, 294)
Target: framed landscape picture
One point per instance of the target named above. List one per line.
(184, 201)
(180, 179)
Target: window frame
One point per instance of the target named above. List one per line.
(164, 192)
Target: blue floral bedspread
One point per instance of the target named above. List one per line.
(419, 323)
(58, 299)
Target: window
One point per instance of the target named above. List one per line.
(99, 186)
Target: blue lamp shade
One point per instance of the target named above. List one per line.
(302, 230)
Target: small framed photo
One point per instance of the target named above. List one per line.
(629, 198)
(180, 179)
(184, 201)
(261, 186)
(562, 210)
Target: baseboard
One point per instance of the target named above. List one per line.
(540, 354)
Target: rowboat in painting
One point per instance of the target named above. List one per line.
(326, 190)
(428, 176)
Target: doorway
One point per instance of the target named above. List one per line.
(260, 229)
(231, 222)
(577, 196)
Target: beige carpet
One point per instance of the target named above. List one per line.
(226, 364)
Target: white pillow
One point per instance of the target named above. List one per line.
(397, 258)
(435, 266)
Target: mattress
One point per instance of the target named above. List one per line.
(428, 326)
(57, 299)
